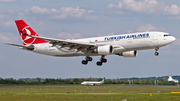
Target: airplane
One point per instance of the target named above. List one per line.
(93, 83)
(171, 79)
(125, 45)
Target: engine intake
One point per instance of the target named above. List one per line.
(104, 50)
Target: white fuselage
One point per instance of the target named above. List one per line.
(120, 43)
(90, 83)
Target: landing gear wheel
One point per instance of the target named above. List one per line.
(89, 59)
(156, 53)
(99, 63)
(103, 60)
(84, 62)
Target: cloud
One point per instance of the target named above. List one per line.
(65, 35)
(173, 9)
(69, 11)
(147, 6)
(61, 13)
(90, 11)
(120, 5)
(39, 10)
(8, 37)
(149, 27)
(7, 0)
(141, 6)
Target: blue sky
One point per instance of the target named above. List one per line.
(86, 18)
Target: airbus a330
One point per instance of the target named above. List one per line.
(125, 45)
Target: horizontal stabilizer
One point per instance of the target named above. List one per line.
(16, 45)
(31, 47)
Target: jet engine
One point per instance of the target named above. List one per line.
(104, 50)
(129, 54)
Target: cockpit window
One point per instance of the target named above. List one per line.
(166, 35)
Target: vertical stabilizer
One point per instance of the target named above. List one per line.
(103, 80)
(170, 78)
(23, 27)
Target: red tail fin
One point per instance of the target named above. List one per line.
(23, 27)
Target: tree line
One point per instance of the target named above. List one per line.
(38, 81)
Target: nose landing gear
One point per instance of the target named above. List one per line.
(156, 53)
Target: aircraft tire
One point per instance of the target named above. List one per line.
(99, 63)
(156, 53)
(89, 59)
(84, 62)
(104, 60)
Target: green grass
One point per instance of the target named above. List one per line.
(89, 97)
(88, 93)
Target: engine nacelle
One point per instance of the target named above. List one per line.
(129, 54)
(29, 47)
(104, 50)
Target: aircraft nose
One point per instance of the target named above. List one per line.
(173, 39)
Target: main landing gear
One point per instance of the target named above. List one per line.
(156, 53)
(102, 60)
(99, 63)
(88, 58)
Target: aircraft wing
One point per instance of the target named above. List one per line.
(66, 43)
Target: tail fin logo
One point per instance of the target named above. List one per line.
(26, 39)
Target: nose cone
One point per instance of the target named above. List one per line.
(171, 39)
